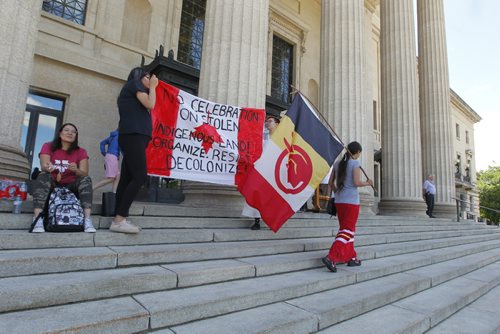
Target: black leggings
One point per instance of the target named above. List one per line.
(133, 170)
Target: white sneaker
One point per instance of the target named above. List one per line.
(39, 226)
(89, 228)
(124, 227)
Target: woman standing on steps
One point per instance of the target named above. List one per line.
(344, 181)
(248, 211)
(136, 98)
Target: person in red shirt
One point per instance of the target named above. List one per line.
(63, 163)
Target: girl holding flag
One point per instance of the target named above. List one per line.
(344, 181)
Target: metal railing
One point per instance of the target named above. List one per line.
(470, 205)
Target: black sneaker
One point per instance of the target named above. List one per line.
(329, 264)
(354, 263)
(256, 225)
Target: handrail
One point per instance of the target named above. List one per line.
(479, 206)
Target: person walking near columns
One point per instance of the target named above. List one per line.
(429, 190)
(345, 180)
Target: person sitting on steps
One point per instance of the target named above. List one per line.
(63, 163)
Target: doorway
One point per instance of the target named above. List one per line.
(42, 118)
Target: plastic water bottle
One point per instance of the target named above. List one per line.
(17, 205)
(23, 191)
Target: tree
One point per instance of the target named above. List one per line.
(488, 182)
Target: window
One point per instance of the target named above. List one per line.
(42, 118)
(281, 70)
(191, 32)
(457, 130)
(466, 137)
(375, 116)
(72, 10)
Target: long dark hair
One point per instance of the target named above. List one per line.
(57, 144)
(353, 147)
(137, 73)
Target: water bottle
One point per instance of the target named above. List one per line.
(23, 191)
(17, 205)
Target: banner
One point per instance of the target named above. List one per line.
(298, 156)
(198, 140)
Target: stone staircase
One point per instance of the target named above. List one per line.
(203, 271)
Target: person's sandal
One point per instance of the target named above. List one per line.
(354, 263)
(329, 264)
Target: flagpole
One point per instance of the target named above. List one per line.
(325, 122)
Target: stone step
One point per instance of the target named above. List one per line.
(152, 254)
(275, 318)
(28, 292)
(481, 316)
(232, 264)
(118, 315)
(420, 312)
(45, 290)
(190, 304)
(381, 297)
(18, 239)
(51, 260)
(23, 221)
(360, 305)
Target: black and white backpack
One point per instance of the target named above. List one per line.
(64, 212)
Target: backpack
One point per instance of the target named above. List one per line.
(62, 213)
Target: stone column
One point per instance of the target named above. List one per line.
(19, 26)
(401, 150)
(233, 71)
(435, 113)
(343, 78)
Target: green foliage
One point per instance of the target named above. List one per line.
(488, 183)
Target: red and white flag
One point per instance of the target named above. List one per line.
(198, 140)
(298, 156)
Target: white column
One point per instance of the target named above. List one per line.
(19, 26)
(435, 113)
(233, 66)
(401, 148)
(343, 77)
(233, 71)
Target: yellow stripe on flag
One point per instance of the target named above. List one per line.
(285, 131)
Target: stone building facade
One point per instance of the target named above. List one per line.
(65, 61)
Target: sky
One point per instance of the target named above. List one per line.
(472, 29)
